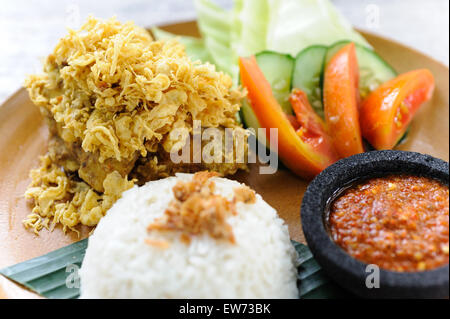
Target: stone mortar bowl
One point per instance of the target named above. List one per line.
(340, 266)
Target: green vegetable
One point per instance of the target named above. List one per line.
(248, 116)
(307, 71)
(195, 47)
(314, 283)
(286, 26)
(215, 26)
(277, 69)
(294, 25)
(373, 70)
(249, 27)
(308, 74)
(47, 275)
(250, 121)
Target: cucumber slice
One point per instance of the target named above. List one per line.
(277, 69)
(373, 70)
(307, 75)
(248, 117)
(251, 121)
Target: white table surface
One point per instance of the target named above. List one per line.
(29, 29)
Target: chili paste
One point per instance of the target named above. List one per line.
(398, 222)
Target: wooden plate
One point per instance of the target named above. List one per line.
(23, 137)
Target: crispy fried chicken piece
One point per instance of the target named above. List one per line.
(159, 164)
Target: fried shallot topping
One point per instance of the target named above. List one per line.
(157, 243)
(197, 210)
(244, 194)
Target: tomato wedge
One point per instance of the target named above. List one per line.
(293, 120)
(341, 99)
(311, 128)
(295, 153)
(387, 111)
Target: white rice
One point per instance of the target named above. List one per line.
(119, 264)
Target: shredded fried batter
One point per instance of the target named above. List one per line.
(111, 96)
(117, 91)
(197, 210)
(66, 201)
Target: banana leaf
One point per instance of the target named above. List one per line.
(54, 275)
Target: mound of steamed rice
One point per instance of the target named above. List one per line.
(120, 264)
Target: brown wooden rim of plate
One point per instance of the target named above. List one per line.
(22, 130)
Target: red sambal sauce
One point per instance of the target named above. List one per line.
(397, 222)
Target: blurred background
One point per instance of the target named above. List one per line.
(30, 28)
